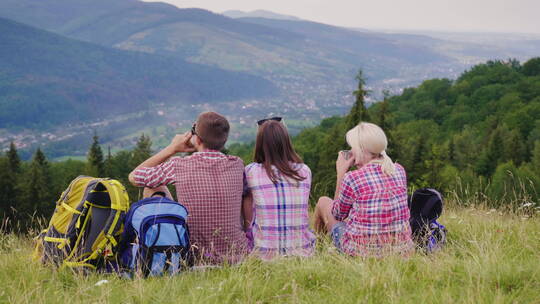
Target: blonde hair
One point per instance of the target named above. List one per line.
(371, 138)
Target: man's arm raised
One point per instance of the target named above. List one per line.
(180, 143)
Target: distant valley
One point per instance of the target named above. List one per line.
(157, 66)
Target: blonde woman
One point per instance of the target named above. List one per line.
(369, 215)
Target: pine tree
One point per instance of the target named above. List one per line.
(434, 165)
(384, 112)
(515, 148)
(418, 156)
(325, 171)
(384, 122)
(6, 189)
(358, 112)
(142, 151)
(492, 155)
(108, 164)
(10, 171)
(36, 195)
(95, 165)
(14, 159)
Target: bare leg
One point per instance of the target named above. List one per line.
(324, 220)
(148, 192)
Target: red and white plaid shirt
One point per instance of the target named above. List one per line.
(210, 185)
(374, 208)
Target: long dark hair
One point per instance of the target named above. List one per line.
(274, 147)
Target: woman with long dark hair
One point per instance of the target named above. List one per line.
(276, 206)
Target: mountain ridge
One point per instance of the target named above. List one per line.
(58, 79)
(259, 13)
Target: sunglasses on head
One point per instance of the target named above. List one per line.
(260, 122)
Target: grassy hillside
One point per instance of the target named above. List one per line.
(47, 79)
(491, 257)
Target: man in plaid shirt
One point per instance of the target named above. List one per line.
(208, 182)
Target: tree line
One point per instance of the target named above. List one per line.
(29, 190)
(477, 137)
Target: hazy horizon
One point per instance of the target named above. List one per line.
(489, 16)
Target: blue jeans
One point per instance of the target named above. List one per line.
(336, 233)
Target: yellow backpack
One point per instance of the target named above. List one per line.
(86, 224)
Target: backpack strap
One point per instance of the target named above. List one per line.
(118, 194)
(432, 206)
(119, 205)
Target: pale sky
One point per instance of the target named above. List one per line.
(446, 15)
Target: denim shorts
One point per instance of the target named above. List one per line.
(337, 233)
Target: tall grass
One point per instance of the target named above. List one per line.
(492, 257)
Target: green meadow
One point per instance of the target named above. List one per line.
(492, 256)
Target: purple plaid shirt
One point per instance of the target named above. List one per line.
(281, 225)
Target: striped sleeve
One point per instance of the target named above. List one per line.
(342, 206)
(152, 177)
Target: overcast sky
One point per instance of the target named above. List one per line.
(447, 15)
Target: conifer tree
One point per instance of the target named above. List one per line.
(36, 185)
(359, 111)
(417, 162)
(492, 155)
(10, 171)
(108, 164)
(384, 122)
(142, 151)
(14, 159)
(6, 188)
(95, 165)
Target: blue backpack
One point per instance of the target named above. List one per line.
(156, 238)
(426, 205)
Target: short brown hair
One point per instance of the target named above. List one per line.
(213, 130)
(274, 148)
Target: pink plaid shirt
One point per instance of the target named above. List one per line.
(281, 225)
(374, 208)
(210, 185)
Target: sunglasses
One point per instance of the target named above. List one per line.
(193, 132)
(260, 122)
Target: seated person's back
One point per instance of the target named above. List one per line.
(369, 215)
(210, 185)
(279, 186)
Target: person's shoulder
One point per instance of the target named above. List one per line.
(302, 167)
(235, 162)
(252, 167)
(172, 161)
(176, 159)
(353, 175)
(400, 170)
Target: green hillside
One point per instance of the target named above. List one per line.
(477, 135)
(48, 80)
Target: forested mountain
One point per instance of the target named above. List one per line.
(479, 134)
(281, 54)
(49, 80)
